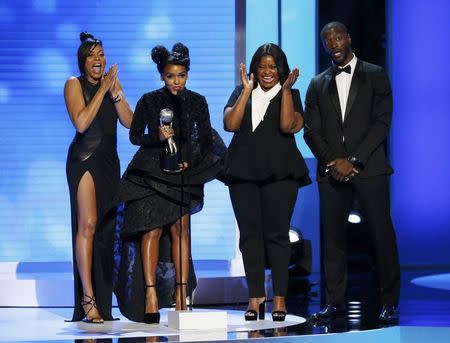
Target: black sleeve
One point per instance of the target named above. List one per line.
(381, 117)
(233, 97)
(144, 118)
(313, 127)
(298, 106)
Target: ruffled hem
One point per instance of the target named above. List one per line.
(302, 180)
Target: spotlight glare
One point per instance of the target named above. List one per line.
(293, 236)
(354, 218)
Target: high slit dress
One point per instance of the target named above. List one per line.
(95, 152)
(155, 199)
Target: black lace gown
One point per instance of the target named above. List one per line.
(95, 152)
(155, 199)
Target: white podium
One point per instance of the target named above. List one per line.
(197, 320)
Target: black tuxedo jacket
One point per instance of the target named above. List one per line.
(367, 120)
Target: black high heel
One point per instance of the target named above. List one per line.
(91, 302)
(279, 316)
(153, 317)
(253, 315)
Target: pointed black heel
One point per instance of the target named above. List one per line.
(91, 302)
(251, 315)
(152, 317)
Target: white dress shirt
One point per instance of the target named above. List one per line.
(343, 82)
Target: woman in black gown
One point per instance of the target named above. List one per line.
(264, 171)
(94, 102)
(159, 203)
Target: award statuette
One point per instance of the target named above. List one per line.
(170, 157)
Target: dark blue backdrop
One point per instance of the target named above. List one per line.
(420, 139)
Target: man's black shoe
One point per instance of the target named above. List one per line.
(329, 312)
(389, 314)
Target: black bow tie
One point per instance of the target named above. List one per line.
(346, 69)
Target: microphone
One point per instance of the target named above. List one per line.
(165, 118)
(182, 94)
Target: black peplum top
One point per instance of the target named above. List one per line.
(267, 154)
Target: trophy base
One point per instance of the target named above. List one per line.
(170, 163)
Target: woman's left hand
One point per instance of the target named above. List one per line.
(116, 86)
(291, 79)
(183, 165)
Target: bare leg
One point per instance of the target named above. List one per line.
(150, 255)
(182, 275)
(87, 222)
(253, 303)
(279, 303)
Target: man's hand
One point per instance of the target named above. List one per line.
(342, 170)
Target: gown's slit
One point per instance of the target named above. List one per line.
(87, 183)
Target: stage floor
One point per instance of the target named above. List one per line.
(48, 325)
(424, 317)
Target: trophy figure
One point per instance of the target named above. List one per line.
(170, 157)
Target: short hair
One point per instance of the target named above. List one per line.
(179, 56)
(88, 43)
(278, 55)
(333, 25)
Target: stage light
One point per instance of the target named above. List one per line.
(354, 217)
(294, 235)
(301, 256)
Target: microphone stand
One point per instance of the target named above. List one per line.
(189, 158)
(182, 187)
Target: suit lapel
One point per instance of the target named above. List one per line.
(332, 91)
(357, 80)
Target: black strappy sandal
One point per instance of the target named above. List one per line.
(91, 302)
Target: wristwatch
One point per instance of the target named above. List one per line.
(357, 163)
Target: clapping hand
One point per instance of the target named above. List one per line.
(116, 87)
(247, 83)
(291, 79)
(109, 79)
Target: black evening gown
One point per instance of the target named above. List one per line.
(155, 199)
(95, 152)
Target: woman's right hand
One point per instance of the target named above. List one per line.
(109, 79)
(165, 132)
(247, 83)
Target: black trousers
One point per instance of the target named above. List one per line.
(263, 212)
(335, 205)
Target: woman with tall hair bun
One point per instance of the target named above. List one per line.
(158, 204)
(264, 170)
(94, 101)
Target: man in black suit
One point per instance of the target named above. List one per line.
(347, 120)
